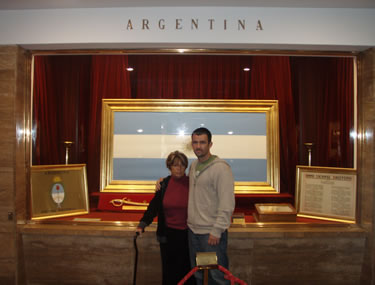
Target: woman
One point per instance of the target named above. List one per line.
(170, 205)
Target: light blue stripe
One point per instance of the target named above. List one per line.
(172, 123)
(249, 169)
(152, 169)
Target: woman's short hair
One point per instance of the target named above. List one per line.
(176, 155)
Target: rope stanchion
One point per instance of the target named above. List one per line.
(227, 275)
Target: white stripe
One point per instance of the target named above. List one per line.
(159, 146)
(239, 146)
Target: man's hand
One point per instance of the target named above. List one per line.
(157, 185)
(212, 240)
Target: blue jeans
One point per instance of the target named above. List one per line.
(199, 243)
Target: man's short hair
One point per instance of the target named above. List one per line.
(176, 155)
(202, 131)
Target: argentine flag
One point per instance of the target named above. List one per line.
(143, 140)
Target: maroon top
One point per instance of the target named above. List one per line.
(175, 203)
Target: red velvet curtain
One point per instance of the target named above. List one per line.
(190, 76)
(324, 96)
(67, 102)
(109, 79)
(44, 117)
(61, 85)
(271, 80)
(68, 92)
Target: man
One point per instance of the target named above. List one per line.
(211, 204)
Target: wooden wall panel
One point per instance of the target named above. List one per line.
(78, 255)
(149, 260)
(366, 130)
(366, 157)
(90, 259)
(241, 256)
(308, 261)
(6, 161)
(6, 199)
(77, 260)
(8, 60)
(315, 256)
(22, 131)
(7, 259)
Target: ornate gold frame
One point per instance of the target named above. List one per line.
(316, 189)
(70, 199)
(110, 106)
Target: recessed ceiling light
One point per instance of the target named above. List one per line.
(129, 68)
(246, 69)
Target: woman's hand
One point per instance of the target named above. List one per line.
(139, 231)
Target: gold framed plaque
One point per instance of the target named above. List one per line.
(326, 193)
(138, 135)
(58, 190)
(275, 212)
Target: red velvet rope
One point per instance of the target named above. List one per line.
(229, 276)
(187, 276)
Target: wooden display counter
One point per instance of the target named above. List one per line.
(71, 252)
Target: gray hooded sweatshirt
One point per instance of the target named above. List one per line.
(211, 198)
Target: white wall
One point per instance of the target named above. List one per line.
(284, 28)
